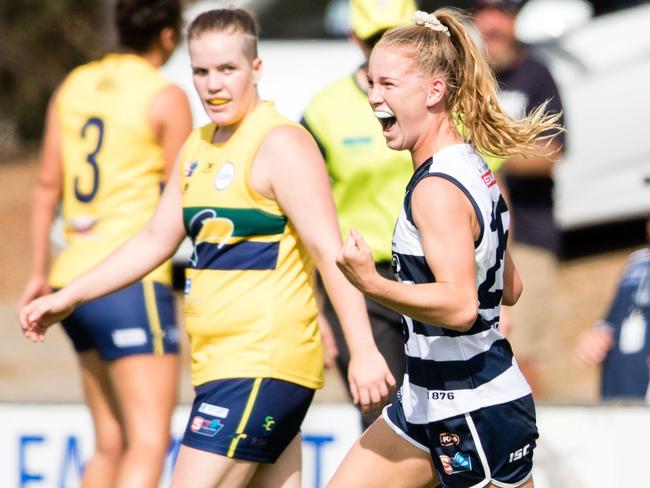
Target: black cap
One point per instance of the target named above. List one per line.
(510, 6)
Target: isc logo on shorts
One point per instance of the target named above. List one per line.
(519, 453)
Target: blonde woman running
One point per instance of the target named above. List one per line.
(464, 404)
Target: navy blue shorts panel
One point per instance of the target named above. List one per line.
(252, 419)
(139, 319)
(493, 444)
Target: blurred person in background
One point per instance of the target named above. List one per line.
(525, 84)
(113, 130)
(621, 341)
(464, 404)
(368, 178)
(250, 309)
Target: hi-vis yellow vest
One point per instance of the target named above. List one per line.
(368, 178)
(250, 309)
(112, 164)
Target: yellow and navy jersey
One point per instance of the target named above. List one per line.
(368, 178)
(250, 309)
(113, 165)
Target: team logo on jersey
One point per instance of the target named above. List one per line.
(208, 428)
(190, 167)
(397, 267)
(225, 176)
(448, 440)
(206, 226)
(459, 463)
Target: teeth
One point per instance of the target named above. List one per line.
(381, 114)
(217, 101)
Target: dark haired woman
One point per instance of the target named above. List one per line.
(113, 130)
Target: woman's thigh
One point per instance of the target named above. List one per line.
(380, 457)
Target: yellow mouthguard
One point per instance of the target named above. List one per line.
(217, 101)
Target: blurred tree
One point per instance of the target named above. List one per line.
(40, 41)
(291, 19)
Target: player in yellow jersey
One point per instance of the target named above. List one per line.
(252, 192)
(113, 130)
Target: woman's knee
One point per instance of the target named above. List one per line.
(149, 441)
(110, 445)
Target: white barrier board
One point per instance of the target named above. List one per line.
(45, 446)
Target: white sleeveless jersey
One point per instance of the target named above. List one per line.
(447, 372)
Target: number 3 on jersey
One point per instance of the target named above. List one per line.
(91, 159)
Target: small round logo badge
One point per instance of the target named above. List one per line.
(225, 176)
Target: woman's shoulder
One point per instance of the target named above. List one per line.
(286, 138)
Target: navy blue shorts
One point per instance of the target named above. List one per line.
(490, 445)
(253, 419)
(139, 319)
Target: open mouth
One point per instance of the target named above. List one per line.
(386, 119)
(217, 101)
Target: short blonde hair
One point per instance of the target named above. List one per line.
(227, 20)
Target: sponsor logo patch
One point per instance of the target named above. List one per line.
(188, 286)
(214, 410)
(205, 427)
(129, 337)
(172, 334)
(357, 141)
(208, 167)
(447, 440)
(461, 462)
(190, 167)
(488, 178)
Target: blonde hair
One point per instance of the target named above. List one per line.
(471, 96)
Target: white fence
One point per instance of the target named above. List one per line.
(45, 446)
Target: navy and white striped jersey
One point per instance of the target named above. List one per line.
(448, 372)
